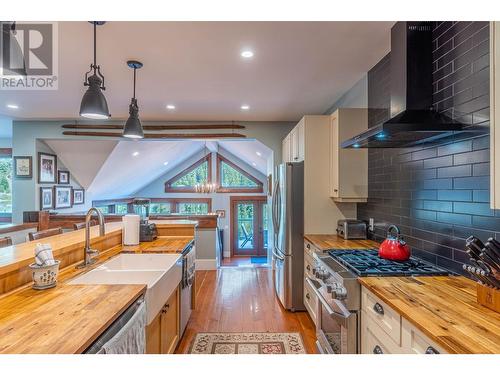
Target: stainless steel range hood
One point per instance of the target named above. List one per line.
(413, 120)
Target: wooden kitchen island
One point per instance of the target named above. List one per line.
(68, 318)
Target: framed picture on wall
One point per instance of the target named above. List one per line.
(46, 198)
(78, 196)
(63, 177)
(47, 167)
(23, 167)
(62, 197)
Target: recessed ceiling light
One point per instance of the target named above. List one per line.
(170, 106)
(135, 153)
(245, 107)
(247, 54)
(12, 106)
(254, 164)
(166, 163)
(258, 153)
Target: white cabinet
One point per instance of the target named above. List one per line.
(294, 144)
(495, 114)
(415, 342)
(287, 149)
(384, 331)
(348, 167)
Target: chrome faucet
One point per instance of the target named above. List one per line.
(88, 253)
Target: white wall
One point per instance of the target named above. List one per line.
(220, 201)
(355, 97)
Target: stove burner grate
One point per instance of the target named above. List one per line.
(366, 262)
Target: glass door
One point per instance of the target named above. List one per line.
(249, 226)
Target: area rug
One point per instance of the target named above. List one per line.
(247, 343)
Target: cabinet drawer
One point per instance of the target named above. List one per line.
(382, 315)
(415, 342)
(374, 340)
(310, 302)
(309, 265)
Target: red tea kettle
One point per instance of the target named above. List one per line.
(393, 247)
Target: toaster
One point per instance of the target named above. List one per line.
(351, 229)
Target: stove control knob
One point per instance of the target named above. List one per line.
(339, 293)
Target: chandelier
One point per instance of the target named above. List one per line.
(205, 188)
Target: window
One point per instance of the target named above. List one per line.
(159, 209)
(198, 173)
(231, 178)
(104, 209)
(192, 208)
(121, 209)
(6, 183)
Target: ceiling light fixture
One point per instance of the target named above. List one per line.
(170, 106)
(135, 153)
(166, 163)
(247, 54)
(254, 164)
(12, 106)
(258, 153)
(133, 126)
(245, 107)
(205, 187)
(94, 103)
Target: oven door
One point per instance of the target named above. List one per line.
(337, 328)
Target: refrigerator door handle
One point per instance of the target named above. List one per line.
(277, 256)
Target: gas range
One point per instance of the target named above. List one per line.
(366, 262)
(335, 283)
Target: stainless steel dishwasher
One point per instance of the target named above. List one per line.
(188, 270)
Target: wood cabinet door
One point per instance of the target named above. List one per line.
(153, 336)
(170, 324)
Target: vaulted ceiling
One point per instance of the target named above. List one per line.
(114, 169)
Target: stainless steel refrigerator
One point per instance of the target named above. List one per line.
(288, 244)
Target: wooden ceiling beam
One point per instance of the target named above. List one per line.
(157, 136)
(156, 127)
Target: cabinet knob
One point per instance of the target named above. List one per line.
(336, 190)
(308, 267)
(378, 309)
(431, 350)
(377, 350)
(308, 296)
(308, 246)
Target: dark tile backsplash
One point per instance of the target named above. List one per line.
(437, 195)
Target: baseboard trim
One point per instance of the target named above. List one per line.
(206, 264)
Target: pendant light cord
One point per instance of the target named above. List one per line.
(134, 81)
(95, 46)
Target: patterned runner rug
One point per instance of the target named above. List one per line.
(247, 343)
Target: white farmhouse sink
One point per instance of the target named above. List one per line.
(160, 272)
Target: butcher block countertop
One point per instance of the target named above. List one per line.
(63, 320)
(41, 321)
(444, 308)
(331, 241)
(170, 244)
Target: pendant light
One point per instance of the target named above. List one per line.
(94, 103)
(133, 127)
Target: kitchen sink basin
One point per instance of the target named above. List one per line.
(161, 273)
(159, 262)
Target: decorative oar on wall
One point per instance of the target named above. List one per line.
(116, 131)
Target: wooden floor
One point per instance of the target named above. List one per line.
(242, 299)
(241, 262)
